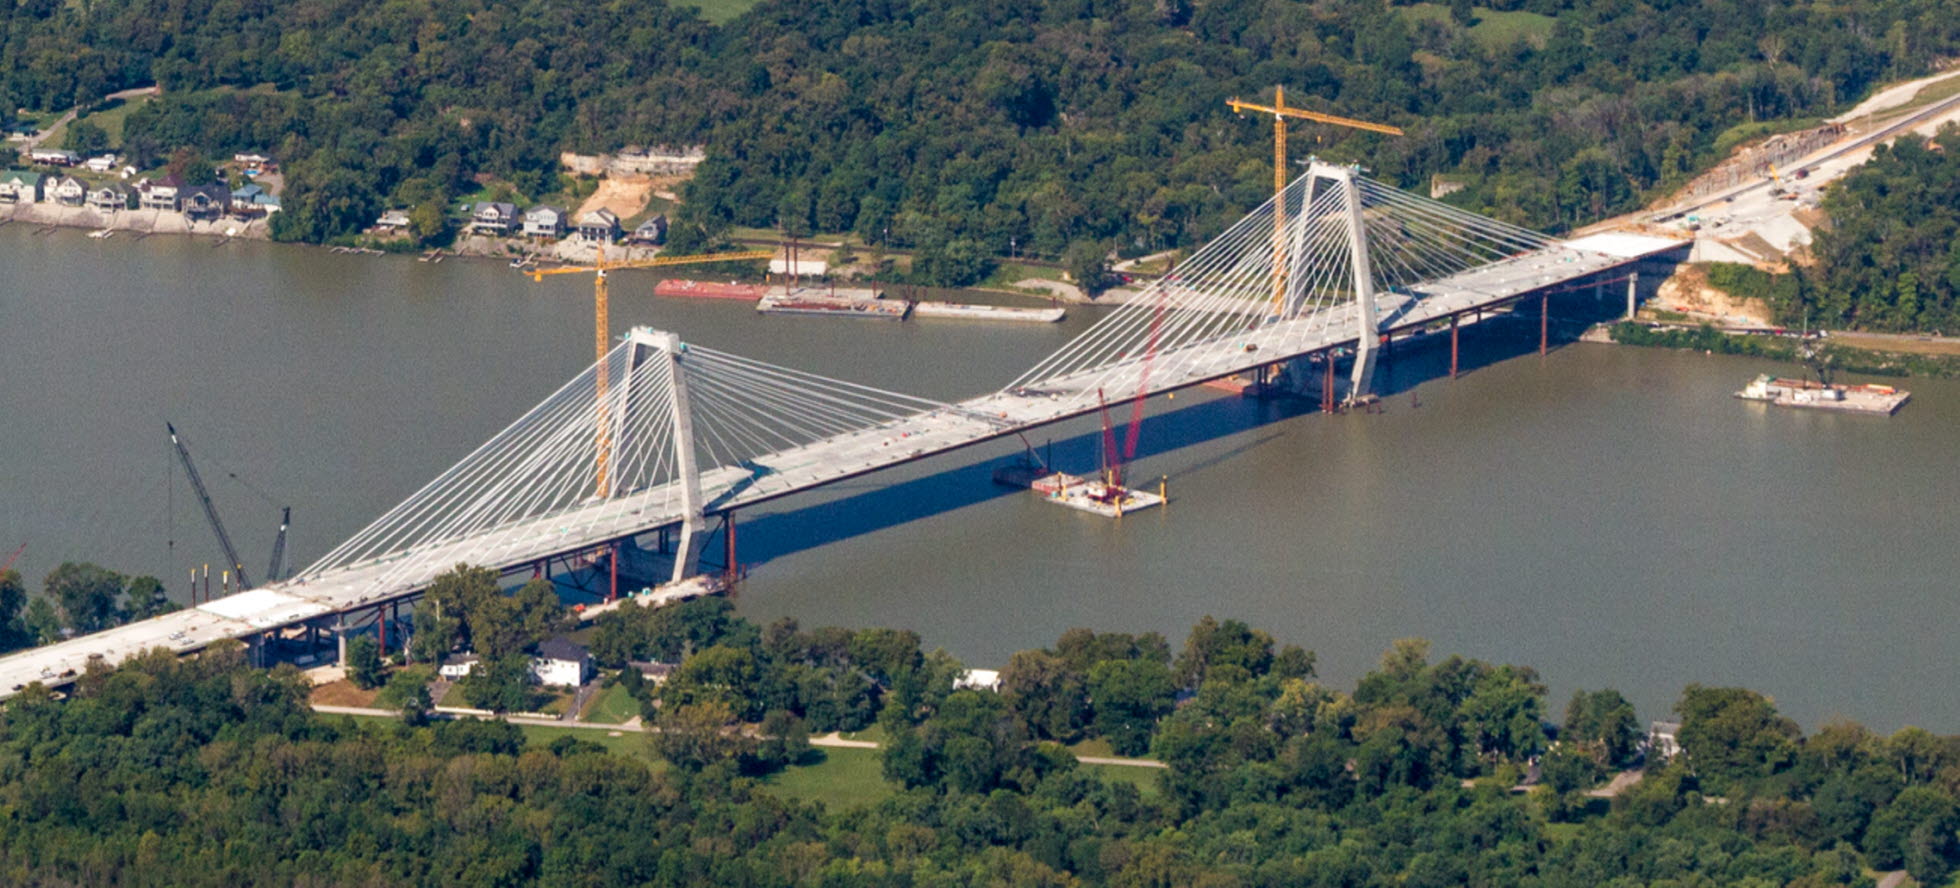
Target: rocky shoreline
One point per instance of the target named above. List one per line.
(144, 222)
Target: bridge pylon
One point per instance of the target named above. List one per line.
(694, 520)
(1367, 325)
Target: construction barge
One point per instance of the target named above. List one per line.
(687, 289)
(833, 306)
(971, 312)
(1093, 495)
(1877, 400)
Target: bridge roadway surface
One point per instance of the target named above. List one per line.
(829, 460)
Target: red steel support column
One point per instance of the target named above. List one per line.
(1452, 346)
(731, 545)
(381, 618)
(1544, 321)
(614, 565)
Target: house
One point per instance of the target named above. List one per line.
(392, 220)
(977, 680)
(1662, 740)
(67, 191)
(563, 662)
(456, 666)
(493, 217)
(652, 232)
(544, 222)
(160, 193)
(20, 186)
(252, 200)
(253, 161)
(599, 225)
(652, 670)
(205, 201)
(53, 157)
(112, 196)
(101, 163)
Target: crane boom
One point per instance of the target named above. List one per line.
(12, 558)
(210, 508)
(279, 545)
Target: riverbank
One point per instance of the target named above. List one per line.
(138, 222)
(1843, 358)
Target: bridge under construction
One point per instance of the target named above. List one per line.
(660, 436)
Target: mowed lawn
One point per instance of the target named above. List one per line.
(840, 778)
(611, 706)
(720, 11)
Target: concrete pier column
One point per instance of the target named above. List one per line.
(1633, 287)
(1544, 323)
(1453, 346)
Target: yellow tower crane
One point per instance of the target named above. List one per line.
(1280, 112)
(601, 323)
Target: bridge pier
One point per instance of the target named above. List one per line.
(1544, 323)
(1453, 350)
(1633, 284)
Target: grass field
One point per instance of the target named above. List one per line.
(611, 706)
(627, 743)
(111, 120)
(719, 11)
(841, 778)
(1492, 28)
(1144, 779)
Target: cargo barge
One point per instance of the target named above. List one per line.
(1878, 400)
(828, 306)
(964, 311)
(683, 288)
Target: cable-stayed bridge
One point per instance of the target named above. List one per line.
(663, 436)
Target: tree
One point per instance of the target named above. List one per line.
(190, 166)
(85, 137)
(499, 685)
(1230, 643)
(87, 595)
(1734, 734)
(13, 601)
(1047, 695)
(1129, 696)
(694, 736)
(1087, 264)
(364, 663)
(1504, 713)
(147, 598)
(42, 622)
(1602, 723)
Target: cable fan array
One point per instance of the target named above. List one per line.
(603, 446)
(1189, 320)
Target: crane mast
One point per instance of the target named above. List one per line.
(210, 508)
(279, 545)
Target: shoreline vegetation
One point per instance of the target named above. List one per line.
(1839, 358)
(1428, 771)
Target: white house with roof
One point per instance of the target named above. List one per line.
(392, 220)
(67, 191)
(53, 157)
(599, 225)
(544, 222)
(159, 193)
(101, 163)
(112, 196)
(562, 662)
(20, 186)
(493, 217)
(456, 666)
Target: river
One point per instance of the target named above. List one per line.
(1609, 515)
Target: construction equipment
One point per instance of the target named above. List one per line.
(1280, 112)
(279, 545)
(12, 558)
(210, 508)
(602, 324)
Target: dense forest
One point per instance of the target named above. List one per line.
(961, 127)
(205, 772)
(1890, 258)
